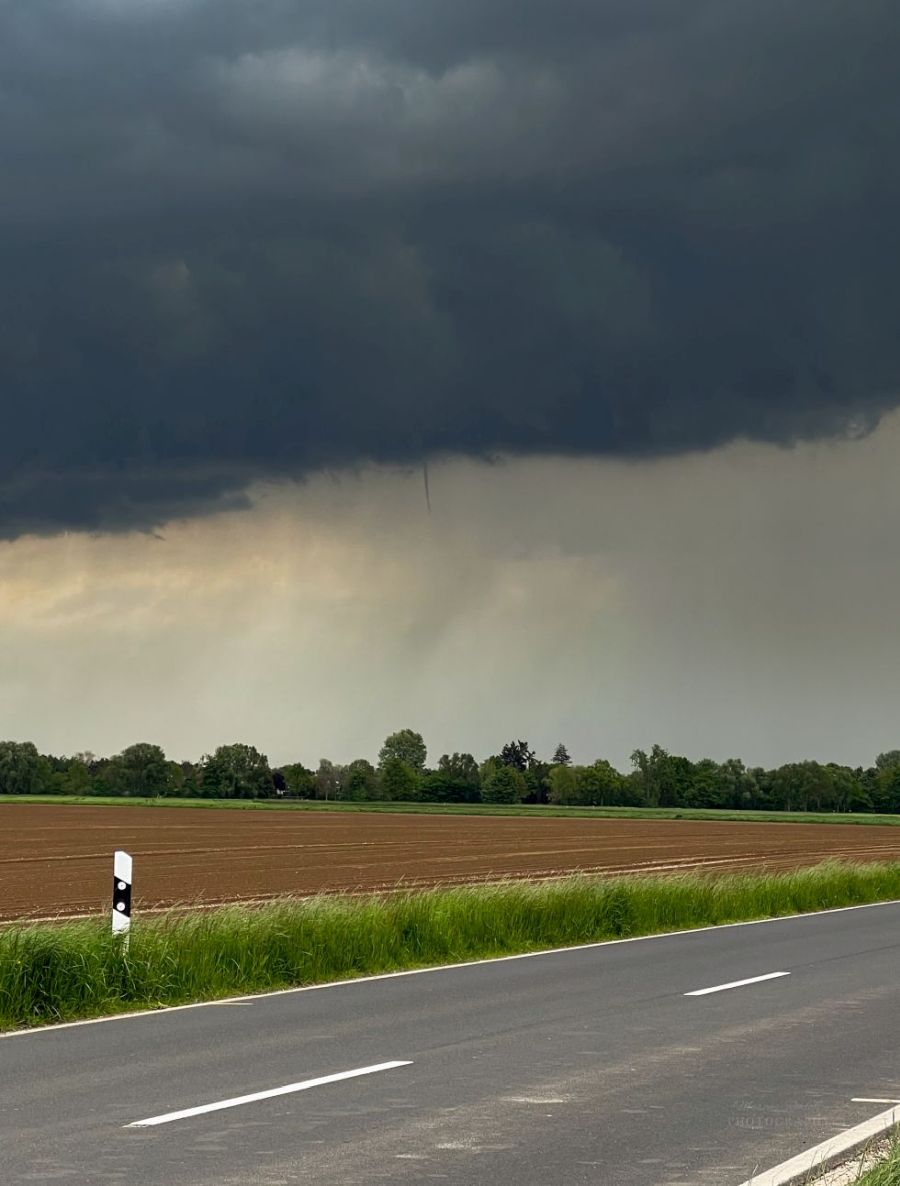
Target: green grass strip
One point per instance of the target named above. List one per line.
(720, 815)
(64, 972)
(886, 1172)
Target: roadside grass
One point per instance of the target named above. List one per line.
(491, 809)
(68, 971)
(886, 1172)
(877, 1165)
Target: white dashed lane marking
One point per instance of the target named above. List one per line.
(703, 992)
(254, 1097)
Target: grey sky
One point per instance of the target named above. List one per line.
(248, 241)
(625, 271)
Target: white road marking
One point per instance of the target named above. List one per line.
(829, 1153)
(862, 1099)
(703, 992)
(168, 1117)
(436, 969)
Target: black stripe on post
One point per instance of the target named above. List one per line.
(121, 897)
(121, 907)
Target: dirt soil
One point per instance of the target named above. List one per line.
(57, 860)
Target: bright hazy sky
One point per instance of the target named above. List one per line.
(740, 602)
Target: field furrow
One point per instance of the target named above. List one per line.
(57, 859)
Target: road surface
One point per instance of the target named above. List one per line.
(592, 1065)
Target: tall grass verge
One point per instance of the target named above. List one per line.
(877, 1165)
(63, 972)
(887, 1171)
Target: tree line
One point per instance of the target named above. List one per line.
(516, 774)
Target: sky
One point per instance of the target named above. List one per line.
(624, 276)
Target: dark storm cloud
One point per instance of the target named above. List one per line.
(243, 241)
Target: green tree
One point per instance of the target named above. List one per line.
(460, 767)
(707, 787)
(598, 785)
(139, 770)
(503, 784)
(237, 772)
(192, 776)
(407, 746)
(456, 780)
(398, 780)
(820, 783)
(23, 771)
(643, 777)
(601, 785)
(561, 756)
(299, 783)
(664, 779)
(176, 781)
(329, 780)
(800, 786)
(564, 788)
(887, 789)
(75, 777)
(740, 784)
(361, 781)
(764, 795)
(517, 754)
(633, 790)
(537, 784)
(848, 794)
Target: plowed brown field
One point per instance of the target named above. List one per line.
(57, 860)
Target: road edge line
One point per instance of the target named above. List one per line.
(828, 1154)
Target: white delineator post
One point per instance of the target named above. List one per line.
(121, 907)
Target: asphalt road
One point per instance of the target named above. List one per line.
(582, 1066)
